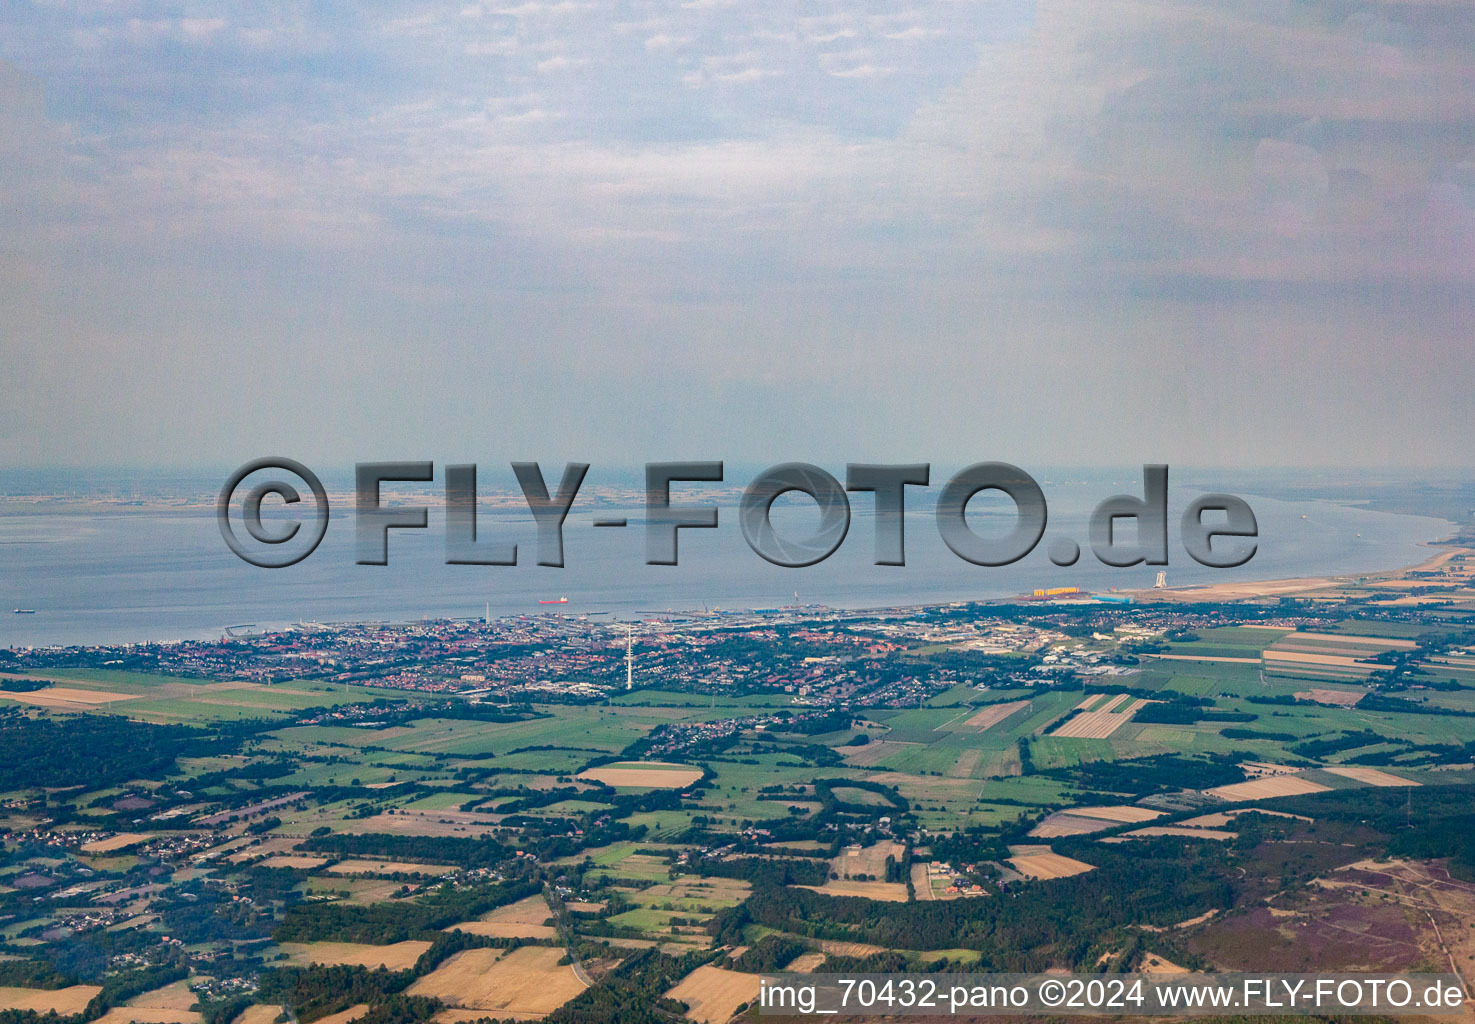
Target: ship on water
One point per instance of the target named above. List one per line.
(555, 600)
(24, 611)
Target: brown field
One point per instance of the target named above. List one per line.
(1266, 788)
(714, 994)
(523, 919)
(387, 867)
(1079, 821)
(1337, 698)
(1368, 776)
(1101, 723)
(581, 907)
(168, 1005)
(121, 841)
(887, 892)
(265, 1013)
(528, 981)
(156, 1015)
(67, 697)
(171, 997)
(806, 963)
(1121, 812)
(994, 714)
(1225, 817)
(397, 956)
(649, 775)
(1049, 865)
(1062, 824)
(65, 1001)
(1154, 964)
(303, 861)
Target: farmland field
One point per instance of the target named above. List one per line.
(501, 983)
(714, 995)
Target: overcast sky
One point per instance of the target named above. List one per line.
(1064, 232)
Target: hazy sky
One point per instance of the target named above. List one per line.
(1064, 232)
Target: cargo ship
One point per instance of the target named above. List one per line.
(555, 600)
(25, 611)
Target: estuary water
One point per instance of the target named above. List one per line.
(113, 574)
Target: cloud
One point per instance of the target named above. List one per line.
(1060, 198)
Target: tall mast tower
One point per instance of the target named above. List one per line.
(630, 656)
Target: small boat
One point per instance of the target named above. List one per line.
(555, 600)
(25, 611)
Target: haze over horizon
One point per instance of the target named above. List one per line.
(1052, 233)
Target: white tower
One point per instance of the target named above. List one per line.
(630, 656)
(1162, 580)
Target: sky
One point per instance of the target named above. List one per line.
(1223, 234)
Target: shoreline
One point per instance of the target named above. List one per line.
(1453, 547)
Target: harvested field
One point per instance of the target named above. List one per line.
(994, 714)
(805, 963)
(1102, 722)
(397, 956)
(1080, 821)
(1049, 865)
(1154, 964)
(171, 997)
(1336, 698)
(1225, 817)
(121, 841)
(1176, 830)
(64, 1001)
(523, 919)
(580, 907)
(1368, 776)
(644, 774)
(1267, 788)
(1062, 824)
(156, 1015)
(888, 892)
(303, 861)
(528, 981)
(1120, 813)
(714, 994)
(67, 697)
(387, 867)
